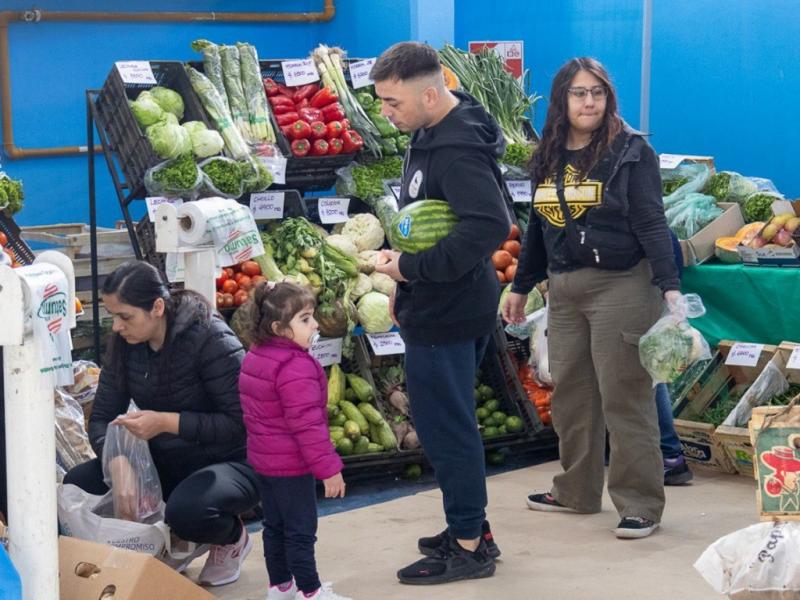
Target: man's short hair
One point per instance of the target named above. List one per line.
(404, 61)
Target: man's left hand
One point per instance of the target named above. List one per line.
(388, 263)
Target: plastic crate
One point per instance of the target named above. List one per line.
(22, 251)
(126, 138)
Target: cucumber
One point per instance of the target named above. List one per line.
(336, 436)
(338, 421)
(372, 447)
(386, 436)
(370, 413)
(352, 430)
(361, 445)
(352, 413)
(344, 446)
(361, 387)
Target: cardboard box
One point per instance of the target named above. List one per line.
(772, 255)
(736, 440)
(698, 440)
(700, 247)
(89, 571)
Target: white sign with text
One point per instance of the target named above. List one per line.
(327, 351)
(135, 71)
(299, 72)
(520, 190)
(744, 355)
(384, 344)
(267, 205)
(359, 73)
(333, 210)
(153, 202)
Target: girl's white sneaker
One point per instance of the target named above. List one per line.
(323, 593)
(276, 593)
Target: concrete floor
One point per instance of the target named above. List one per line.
(551, 556)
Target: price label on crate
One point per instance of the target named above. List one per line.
(333, 210)
(276, 166)
(327, 351)
(520, 190)
(670, 161)
(359, 73)
(154, 201)
(267, 205)
(794, 359)
(744, 355)
(135, 71)
(384, 344)
(299, 72)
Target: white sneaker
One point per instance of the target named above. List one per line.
(181, 564)
(275, 592)
(224, 563)
(323, 593)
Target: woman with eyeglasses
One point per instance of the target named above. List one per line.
(597, 231)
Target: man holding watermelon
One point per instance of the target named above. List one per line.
(445, 303)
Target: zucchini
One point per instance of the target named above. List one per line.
(370, 413)
(361, 387)
(352, 413)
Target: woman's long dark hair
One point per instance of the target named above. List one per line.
(140, 284)
(550, 152)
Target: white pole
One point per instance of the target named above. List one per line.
(647, 45)
(200, 273)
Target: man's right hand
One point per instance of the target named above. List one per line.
(124, 488)
(514, 307)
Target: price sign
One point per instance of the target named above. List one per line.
(135, 71)
(520, 190)
(267, 205)
(744, 355)
(359, 73)
(794, 359)
(384, 344)
(327, 351)
(276, 166)
(670, 161)
(154, 201)
(299, 72)
(333, 210)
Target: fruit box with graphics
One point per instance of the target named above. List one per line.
(736, 439)
(698, 440)
(778, 242)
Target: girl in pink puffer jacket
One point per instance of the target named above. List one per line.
(284, 396)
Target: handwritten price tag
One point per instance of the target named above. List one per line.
(520, 190)
(794, 359)
(384, 344)
(267, 205)
(333, 210)
(359, 73)
(670, 161)
(744, 355)
(327, 351)
(299, 72)
(135, 71)
(154, 201)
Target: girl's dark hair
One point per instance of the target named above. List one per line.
(550, 152)
(274, 303)
(140, 284)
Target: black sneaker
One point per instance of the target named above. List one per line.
(451, 562)
(429, 545)
(676, 471)
(547, 503)
(631, 528)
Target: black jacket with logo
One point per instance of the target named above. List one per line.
(452, 290)
(630, 203)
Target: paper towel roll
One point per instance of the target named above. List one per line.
(193, 219)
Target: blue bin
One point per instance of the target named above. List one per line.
(10, 586)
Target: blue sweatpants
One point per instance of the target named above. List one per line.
(441, 382)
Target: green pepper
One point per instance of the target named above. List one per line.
(402, 142)
(365, 99)
(388, 146)
(384, 125)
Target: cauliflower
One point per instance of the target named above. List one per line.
(382, 283)
(343, 243)
(365, 230)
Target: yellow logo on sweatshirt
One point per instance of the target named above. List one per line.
(579, 195)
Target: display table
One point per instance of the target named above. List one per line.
(745, 303)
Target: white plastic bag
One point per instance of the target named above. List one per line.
(760, 562)
(769, 383)
(539, 356)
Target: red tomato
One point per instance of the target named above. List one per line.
(513, 247)
(256, 279)
(501, 277)
(251, 268)
(229, 272)
(501, 259)
(230, 287)
(236, 268)
(240, 298)
(227, 300)
(220, 299)
(510, 272)
(3, 239)
(245, 283)
(514, 233)
(222, 279)
(237, 276)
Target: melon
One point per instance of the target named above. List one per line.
(746, 234)
(725, 249)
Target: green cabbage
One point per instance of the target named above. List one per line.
(373, 312)
(169, 100)
(146, 110)
(205, 142)
(169, 140)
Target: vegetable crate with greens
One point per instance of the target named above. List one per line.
(127, 139)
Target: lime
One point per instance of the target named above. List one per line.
(514, 424)
(481, 414)
(499, 416)
(489, 432)
(492, 405)
(485, 391)
(338, 420)
(502, 430)
(344, 447)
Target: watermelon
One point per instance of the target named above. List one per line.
(420, 225)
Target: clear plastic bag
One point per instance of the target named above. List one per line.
(693, 177)
(770, 383)
(522, 331)
(689, 215)
(72, 442)
(87, 376)
(158, 188)
(212, 189)
(345, 184)
(129, 472)
(539, 359)
(671, 345)
(729, 186)
(759, 562)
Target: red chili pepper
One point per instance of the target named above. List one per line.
(286, 91)
(301, 130)
(352, 141)
(287, 118)
(281, 100)
(287, 131)
(309, 115)
(318, 130)
(270, 87)
(333, 112)
(324, 97)
(335, 146)
(320, 148)
(334, 129)
(301, 147)
(306, 91)
(282, 109)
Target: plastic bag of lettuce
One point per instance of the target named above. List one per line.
(729, 186)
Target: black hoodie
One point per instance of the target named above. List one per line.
(452, 290)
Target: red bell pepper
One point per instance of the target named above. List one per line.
(334, 129)
(319, 148)
(301, 147)
(324, 97)
(333, 112)
(318, 130)
(282, 109)
(287, 131)
(286, 91)
(306, 91)
(335, 146)
(309, 115)
(301, 130)
(287, 118)
(303, 103)
(270, 87)
(345, 124)
(281, 100)
(352, 141)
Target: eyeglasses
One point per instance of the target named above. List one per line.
(579, 93)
